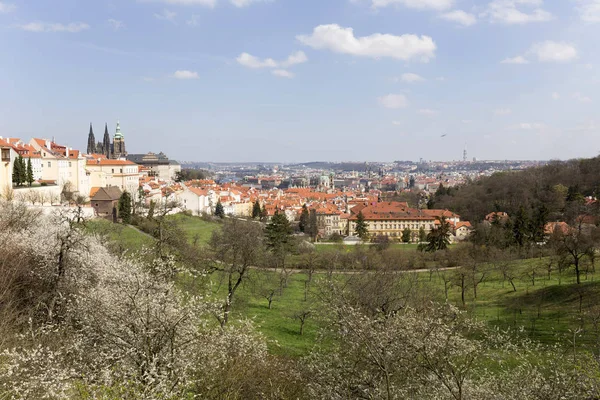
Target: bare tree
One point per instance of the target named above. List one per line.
(235, 248)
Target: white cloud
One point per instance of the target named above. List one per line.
(461, 17)
(73, 27)
(581, 98)
(508, 12)
(166, 15)
(7, 7)
(246, 3)
(295, 58)
(342, 40)
(397, 123)
(427, 111)
(409, 77)
(515, 60)
(589, 10)
(250, 61)
(550, 51)
(115, 24)
(502, 111)
(282, 73)
(440, 79)
(393, 101)
(529, 126)
(438, 5)
(555, 96)
(185, 74)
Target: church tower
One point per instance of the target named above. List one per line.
(106, 149)
(119, 143)
(91, 146)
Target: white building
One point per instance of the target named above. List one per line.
(120, 173)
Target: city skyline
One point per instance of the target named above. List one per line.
(300, 81)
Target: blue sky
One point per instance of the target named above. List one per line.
(302, 80)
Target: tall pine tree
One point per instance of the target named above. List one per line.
(361, 230)
(256, 210)
(219, 210)
(125, 207)
(304, 219)
(29, 174)
(19, 171)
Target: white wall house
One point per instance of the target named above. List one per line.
(120, 173)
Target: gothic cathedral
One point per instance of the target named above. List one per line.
(113, 150)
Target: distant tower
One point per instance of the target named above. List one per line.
(106, 150)
(119, 143)
(91, 147)
(465, 153)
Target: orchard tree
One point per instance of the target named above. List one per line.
(234, 249)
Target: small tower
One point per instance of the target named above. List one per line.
(119, 143)
(106, 150)
(465, 153)
(91, 146)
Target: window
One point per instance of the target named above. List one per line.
(49, 164)
(6, 155)
(121, 170)
(69, 163)
(113, 170)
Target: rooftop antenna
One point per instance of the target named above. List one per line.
(465, 153)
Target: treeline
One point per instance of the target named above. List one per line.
(558, 188)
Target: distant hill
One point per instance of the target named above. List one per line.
(556, 186)
(339, 166)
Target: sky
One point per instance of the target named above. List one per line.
(306, 80)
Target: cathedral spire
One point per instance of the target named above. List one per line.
(91, 147)
(106, 142)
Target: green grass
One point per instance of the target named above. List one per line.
(331, 248)
(547, 311)
(196, 228)
(122, 237)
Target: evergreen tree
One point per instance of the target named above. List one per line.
(313, 226)
(406, 234)
(125, 207)
(361, 230)
(438, 238)
(278, 234)
(519, 228)
(29, 174)
(19, 171)
(422, 235)
(304, 219)
(256, 210)
(219, 210)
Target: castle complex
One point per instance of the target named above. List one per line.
(114, 150)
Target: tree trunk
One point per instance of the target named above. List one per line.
(577, 271)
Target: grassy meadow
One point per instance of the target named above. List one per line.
(547, 308)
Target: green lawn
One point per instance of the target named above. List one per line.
(122, 237)
(195, 227)
(550, 310)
